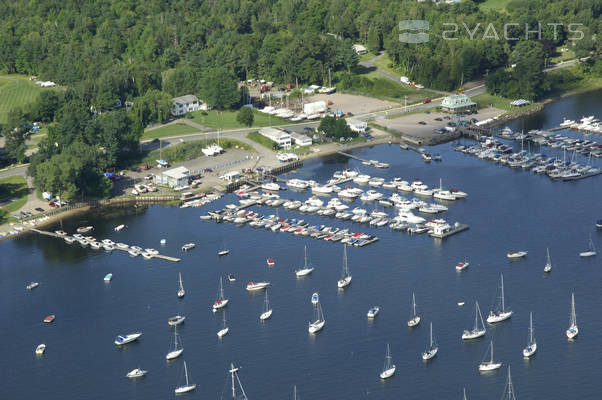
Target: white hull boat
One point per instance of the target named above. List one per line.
(267, 311)
(373, 312)
(414, 317)
(477, 331)
(432, 349)
(177, 349)
(573, 330)
(346, 276)
(318, 324)
(221, 301)
(490, 365)
(124, 339)
(389, 367)
(40, 349)
(188, 387)
(306, 269)
(532, 344)
(516, 254)
(136, 373)
(501, 314)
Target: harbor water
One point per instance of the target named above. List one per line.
(506, 210)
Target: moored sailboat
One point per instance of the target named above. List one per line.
(267, 311)
(389, 367)
(224, 331)
(181, 291)
(306, 269)
(345, 276)
(573, 330)
(177, 348)
(432, 349)
(188, 387)
(221, 301)
(532, 344)
(548, 266)
(489, 365)
(414, 317)
(502, 313)
(591, 250)
(477, 331)
(319, 322)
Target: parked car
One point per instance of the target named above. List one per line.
(39, 209)
(452, 124)
(426, 101)
(53, 204)
(207, 170)
(148, 177)
(447, 117)
(422, 122)
(438, 119)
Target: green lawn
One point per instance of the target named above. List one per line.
(497, 5)
(563, 55)
(386, 65)
(190, 150)
(581, 81)
(227, 119)
(262, 140)
(12, 188)
(486, 100)
(367, 56)
(16, 91)
(169, 130)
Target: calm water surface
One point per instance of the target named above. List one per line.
(506, 209)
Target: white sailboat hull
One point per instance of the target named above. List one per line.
(414, 321)
(304, 271)
(222, 304)
(587, 254)
(174, 354)
(185, 389)
(223, 332)
(489, 366)
(474, 334)
(315, 327)
(265, 315)
(572, 332)
(344, 282)
(181, 293)
(427, 355)
(498, 317)
(529, 350)
(387, 373)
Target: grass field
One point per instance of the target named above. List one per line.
(16, 91)
(190, 150)
(169, 130)
(227, 119)
(12, 188)
(496, 5)
(502, 103)
(262, 140)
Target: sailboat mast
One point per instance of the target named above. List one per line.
(476, 315)
(186, 373)
(502, 293)
(431, 334)
(305, 256)
(492, 351)
(413, 305)
(573, 316)
(530, 328)
(232, 373)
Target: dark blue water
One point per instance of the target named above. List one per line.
(506, 209)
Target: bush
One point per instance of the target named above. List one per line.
(336, 128)
(245, 116)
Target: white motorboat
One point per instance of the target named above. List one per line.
(175, 321)
(177, 349)
(532, 344)
(221, 301)
(181, 291)
(297, 184)
(502, 313)
(69, 239)
(414, 317)
(119, 227)
(490, 365)
(255, 286)
(548, 266)
(224, 331)
(122, 246)
(108, 277)
(188, 246)
(591, 251)
(32, 285)
(432, 349)
(136, 373)
(315, 298)
(373, 312)
(388, 368)
(322, 189)
(40, 349)
(319, 322)
(462, 265)
(188, 387)
(84, 229)
(345, 276)
(361, 179)
(267, 311)
(124, 339)
(513, 254)
(478, 330)
(133, 253)
(271, 186)
(573, 330)
(223, 252)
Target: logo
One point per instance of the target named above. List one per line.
(413, 25)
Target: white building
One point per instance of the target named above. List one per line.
(359, 49)
(186, 104)
(356, 125)
(230, 176)
(315, 107)
(282, 138)
(176, 178)
(300, 139)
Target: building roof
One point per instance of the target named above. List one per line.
(457, 101)
(273, 132)
(519, 102)
(189, 98)
(177, 173)
(299, 136)
(358, 48)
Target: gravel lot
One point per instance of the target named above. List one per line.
(352, 103)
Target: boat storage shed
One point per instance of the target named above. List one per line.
(176, 178)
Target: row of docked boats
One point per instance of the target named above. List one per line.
(107, 245)
(555, 168)
(198, 200)
(588, 124)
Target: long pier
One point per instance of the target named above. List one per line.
(53, 234)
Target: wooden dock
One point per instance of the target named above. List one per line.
(453, 231)
(160, 256)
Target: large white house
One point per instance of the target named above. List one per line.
(281, 137)
(186, 104)
(356, 125)
(176, 177)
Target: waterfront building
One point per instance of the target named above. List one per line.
(457, 102)
(176, 178)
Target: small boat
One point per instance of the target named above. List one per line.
(462, 265)
(163, 241)
(373, 312)
(175, 321)
(513, 254)
(388, 368)
(181, 291)
(188, 387)
(224, 331)
(40, 349)
(108, 277)
(267, 311)
(307, 269)
(315, 298)
(188, 246)
(271, 262)
(345, 276)
(231, 277)
(223, 252)
(477, 331)
(84, 229)
(177, 348)
(69, 239)
(532, 344)
(490, 365)
(220, 302)
(591, 251)
(124, 339)
(414, 317)
(432, 349)
(49, 318)
(501, 314)
(599, 224)
(136, 373)
(122, 246)
(319, 322)
(147, 256)
(548, 266)
(460, 303)
(573, 330)
(32, 285)
(61, 233)
(255, 286)
(119, 227)
(133, 253)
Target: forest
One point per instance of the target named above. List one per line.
(148, 51)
